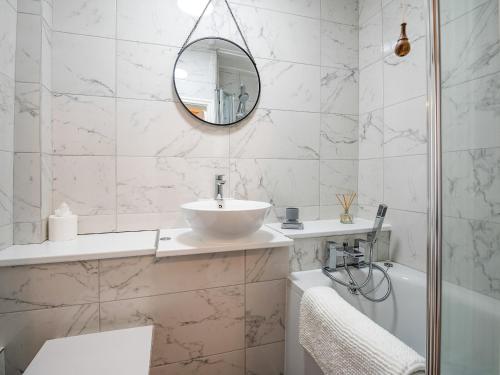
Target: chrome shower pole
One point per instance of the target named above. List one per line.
(434, 246)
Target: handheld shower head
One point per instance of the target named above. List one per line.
(377, 224)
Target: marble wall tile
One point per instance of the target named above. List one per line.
(339, 136)
(27, 199)
(266, 359)
(161, 184)
(46, 55)
(6, 235)
(144, 71)
(471, 115)
(405, 128)
(297, 132)
(7, 104)
(30, 232)
(305, 8)
(473, 45)
(411, 70)
(84, 64)
(405, 183)
(188, 325)
(450, 10)
(371, 87)
(46, 185)
(306, 254)
(83, 125)
(86, 183)
(408, 243)
(265, 312)
(150, 221)
(48, 285)
(146, 276)
(287, 37)
(278, 214)
(29, 6)
(370, 40)
(371, 182)
(471, 255)
(154, 21)
(6, 188)
(339, 91)
(339, 45)
(368, 8)
(416, 18)
(8, 21)
(337, 177)
(89, 17)
(290, 86)
(88, 224)
(371, 134)
(27, 117)
(28, 48)
(232, 363)
(47, 10)
(45, 120)
(165, 129)
(277, 181)
(341, 11)
(471, 184)
(23, 333)
(266, 264)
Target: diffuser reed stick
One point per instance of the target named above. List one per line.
(346, 202)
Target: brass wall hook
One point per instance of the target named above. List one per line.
(403, 46)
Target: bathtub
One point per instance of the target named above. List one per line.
(402, 314)
(471, 321)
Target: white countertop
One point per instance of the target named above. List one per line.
(123, 352)
(323, 228)
(85, 247)
(184, 242)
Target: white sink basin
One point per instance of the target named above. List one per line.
(236, 218)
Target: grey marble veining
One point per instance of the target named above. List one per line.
(188, 325)
(266, 359)
(339, 136)
(471, 255)
(7, 95)
(48, 286)
(27, 118)
(371, 135)
(471, 184)
(8, 18)
(24, 333)
(146, 276)
(28, 48)
(6, 189)
(265, 312)
(339, 91)
(339, 45)
(232, 363)
(266, 264)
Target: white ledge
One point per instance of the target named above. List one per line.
(323, 228)
(174, 242)
(85, 247)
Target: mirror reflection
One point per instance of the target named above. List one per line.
(216, 81)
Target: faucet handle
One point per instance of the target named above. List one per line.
(219, 177)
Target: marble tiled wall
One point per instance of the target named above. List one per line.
(32, 135)
(310, 253)
(213, 314)
(393, 125)
(471, 145)
(126, 154)
(8, 21)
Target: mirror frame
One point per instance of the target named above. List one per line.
(246, 53)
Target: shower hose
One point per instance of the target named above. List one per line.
(355, 286)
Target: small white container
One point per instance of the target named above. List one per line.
(63, 225)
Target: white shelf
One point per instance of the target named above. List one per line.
(323, 228)
(85, 247)
(184, 242)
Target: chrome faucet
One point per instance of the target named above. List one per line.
(219, 191)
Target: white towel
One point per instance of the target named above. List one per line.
(344, 341)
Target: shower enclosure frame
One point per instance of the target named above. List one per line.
(434, 236)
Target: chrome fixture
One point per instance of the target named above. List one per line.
(344, 257)
(219, 190)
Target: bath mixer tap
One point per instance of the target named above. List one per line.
(219, 191)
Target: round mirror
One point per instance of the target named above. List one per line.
(217, 81)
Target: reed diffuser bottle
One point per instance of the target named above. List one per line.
(346, 202)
